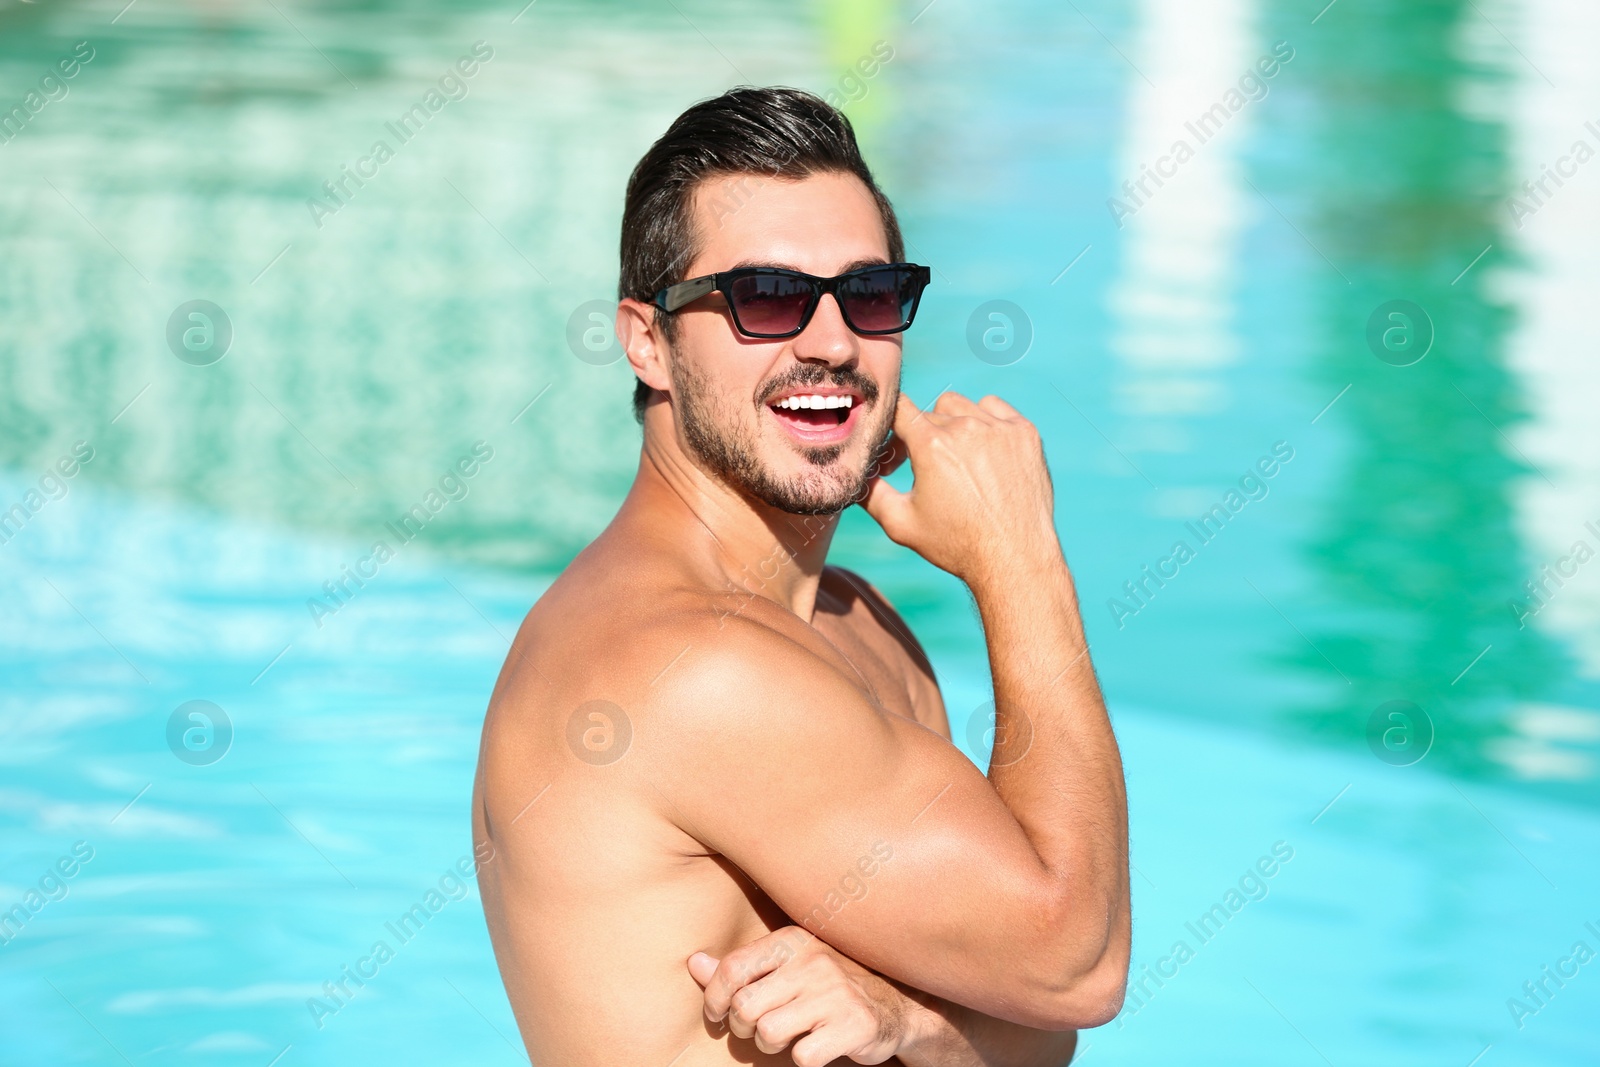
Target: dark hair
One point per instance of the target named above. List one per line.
(779, 132)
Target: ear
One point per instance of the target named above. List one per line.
(643, 343)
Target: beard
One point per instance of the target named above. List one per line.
(728, 448)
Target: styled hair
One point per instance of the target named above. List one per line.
(777, 132)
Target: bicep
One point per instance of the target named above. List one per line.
(872, 831)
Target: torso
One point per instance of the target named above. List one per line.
(595, 896)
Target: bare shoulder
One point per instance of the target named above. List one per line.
(581, 669)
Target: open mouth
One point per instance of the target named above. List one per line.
(816, 410)
(817, 417)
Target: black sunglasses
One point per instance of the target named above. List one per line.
(773, 302)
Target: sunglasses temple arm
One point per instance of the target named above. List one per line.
(676, 296)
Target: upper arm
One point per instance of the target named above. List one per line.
(871, 830)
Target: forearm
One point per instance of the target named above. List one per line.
(1055, 761)
(945, 1034)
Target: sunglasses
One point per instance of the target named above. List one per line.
(772, 302)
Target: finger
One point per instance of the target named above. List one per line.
(823, 1045)
(777, 1028)
(954, 404)
(744, 965)
(752, 1003)
(702, 966)
(910, 421)
(889, 507)
(888, 459)
(998, 408)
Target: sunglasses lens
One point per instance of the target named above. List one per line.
(879, 301)
(770, 303)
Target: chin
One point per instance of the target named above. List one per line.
(814, 481)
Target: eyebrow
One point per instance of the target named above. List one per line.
(855, 264)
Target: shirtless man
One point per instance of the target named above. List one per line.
(724, 819)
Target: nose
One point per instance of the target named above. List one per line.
(826, 338)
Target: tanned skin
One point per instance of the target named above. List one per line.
(726, 819)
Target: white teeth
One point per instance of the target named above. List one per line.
(795, 403)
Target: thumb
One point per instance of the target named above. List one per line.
(888, 506)
(702, 966)
(907, 417)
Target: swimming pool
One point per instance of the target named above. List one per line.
(1219, 332)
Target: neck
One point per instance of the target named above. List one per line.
(743, 546)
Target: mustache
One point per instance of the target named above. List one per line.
(841, 377)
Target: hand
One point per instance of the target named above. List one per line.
(982, 500)
(788, 984)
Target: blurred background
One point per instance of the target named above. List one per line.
(270, 269)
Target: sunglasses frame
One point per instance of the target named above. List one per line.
(674, 297)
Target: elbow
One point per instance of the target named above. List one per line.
(1083, 977)
(1079, 1001)
(1090, 1003)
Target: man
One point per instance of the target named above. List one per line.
(726, 819)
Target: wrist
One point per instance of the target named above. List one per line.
(1038, 581)
(924, 1029)
(1016, 555)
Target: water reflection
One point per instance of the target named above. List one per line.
(390, 305)
(1415, 546)
(423, 307)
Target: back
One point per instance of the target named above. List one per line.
(595, 897)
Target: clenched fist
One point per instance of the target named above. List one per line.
(788, 986)
(981, 506)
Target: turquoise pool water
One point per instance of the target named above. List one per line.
(1223, 323)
